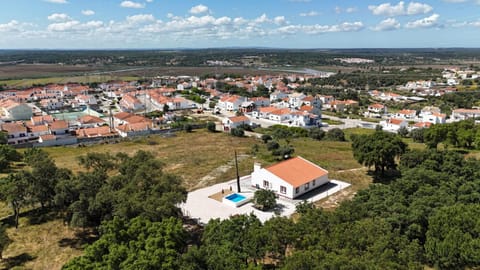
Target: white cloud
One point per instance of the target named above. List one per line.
(418, 8)
(280, 20)
(10, 26)
(351, 9)
(387, 9)
(455, 1)
(74, 25)
(199, 9)
(309, 14)
(262, 19)
(387, 25)
(57, 1)
(338, 10)
(140, 18)
(428, 22)
(149, 1)
(320, 29)
(88, 12)
(131, 4)
(59, 17)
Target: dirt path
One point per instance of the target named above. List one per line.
(215, 173)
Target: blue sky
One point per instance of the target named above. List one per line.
(97, 24)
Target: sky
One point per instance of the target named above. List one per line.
(167, 24)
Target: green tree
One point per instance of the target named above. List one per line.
(379, 149)
(266, 138)
(403, 132)
(417, 135)
(135, 244)
(8, 155)
(14, 190)
(237, 132)
(316, 133)
(452, 237)
(211, 126)
(265, 199)
(335, 134)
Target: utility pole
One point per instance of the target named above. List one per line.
(238, 176)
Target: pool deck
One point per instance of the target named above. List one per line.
(202, 208)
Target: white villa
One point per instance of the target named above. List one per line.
(290, 178)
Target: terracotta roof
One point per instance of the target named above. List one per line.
(306, 108)
(48, 137)
(94, 132)
(90, 119)
(282, 111)
(395, 121)
(267, 109)
(473, 111)
(40, 128)
(407, 112)
(14, 127)
(237, 119)
(422, 124)
(59, 124)
(297, 171)
(377, 106)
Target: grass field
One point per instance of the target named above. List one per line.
(21, 83)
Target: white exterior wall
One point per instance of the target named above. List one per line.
(279, 118)
(260, 175)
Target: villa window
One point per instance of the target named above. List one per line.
(307, 186)
(313, 183)
(283, 189)
(266, 184)
(297, 190)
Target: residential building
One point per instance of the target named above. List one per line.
(234, 122)
(130, 103)
(463, 114)
(394, 124)
(16, 132)
(290, 178)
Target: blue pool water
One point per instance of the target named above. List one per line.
(235, 197)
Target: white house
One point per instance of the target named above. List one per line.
(435, 118)
(377, 108)
(277, 95)
(394, 124)
(295, 99)
(234, 122)
(290, 178)
(231, 103)
(462, 114)
(406, 114)
(280, 115)
(16, 132)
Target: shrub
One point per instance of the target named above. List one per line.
(264, 199)
(237, 132)
(211, 126)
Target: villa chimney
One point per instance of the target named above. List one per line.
(257, 166)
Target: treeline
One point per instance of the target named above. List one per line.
(463, 134)
(111, 186)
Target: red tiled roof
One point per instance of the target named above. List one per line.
(297, 171)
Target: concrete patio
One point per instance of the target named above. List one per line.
(199, 206)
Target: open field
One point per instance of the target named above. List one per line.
(41, 245)
(26, 75)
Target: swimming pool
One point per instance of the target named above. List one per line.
(235, 199)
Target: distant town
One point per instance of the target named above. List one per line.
(62, 114)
